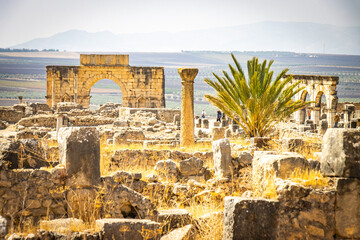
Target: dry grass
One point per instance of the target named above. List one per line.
(268, 187)
(309, 178)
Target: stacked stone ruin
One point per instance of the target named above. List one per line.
(301, 212)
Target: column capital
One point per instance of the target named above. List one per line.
(188, 74)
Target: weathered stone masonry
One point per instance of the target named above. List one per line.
(140, 86)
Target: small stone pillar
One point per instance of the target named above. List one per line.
(315, 115)
(331, 117)
(222, 158)
(79, 152)
(20, 99)
(187, 106)
(59, 123)
(198, 125)
(205, 124)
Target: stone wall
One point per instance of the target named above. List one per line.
(10, 114)
(163, 114)
(148, 158)
(31, 193)
(35, 194)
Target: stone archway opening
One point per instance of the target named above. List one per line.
(321, 105)
(104, 91)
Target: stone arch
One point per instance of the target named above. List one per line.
(89, 83)
(318, 98)
(316, 86)
(134, 82)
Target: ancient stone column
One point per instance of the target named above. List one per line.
(187, 106)
(20, 99)
(59, 123)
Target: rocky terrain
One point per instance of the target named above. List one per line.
(120, 173)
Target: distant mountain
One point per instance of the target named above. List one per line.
(263, 36)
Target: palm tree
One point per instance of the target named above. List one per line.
(258, 103)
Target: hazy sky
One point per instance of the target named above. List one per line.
(23, 20)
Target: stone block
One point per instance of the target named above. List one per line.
(250, 218)
(292, 144)
(281, 166)
(245, 157)
(218, 133)
(228, 133)
(121, 123)
(184, 233)
(79, 152)
(191, 166)
(205, 123)
(305, 212)
(61, 225)
(347, 210)
(222, 157)
(174, 218)
(3, 227)
(135, 229)
(341, 153)
(323, 126)
(123, 136)
(260, 142)
(167, 170)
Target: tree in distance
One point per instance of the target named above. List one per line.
(256, 103)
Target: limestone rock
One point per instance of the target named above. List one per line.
(127, 203)
(152, 121)
(222, 157)
(79, 152)
(347, 210)
(121, 123)
(135, 229)
(123, 136)
(260, 142)
(292, 144)
(245, 157)
(3, 125)
(151, 177)
(3, 227)
(341, 153)
(304, 212)
(218, 133)
(191, 166)
(62, 225)
(184, 233)
(249, 218)
(280, 165)
(323, 126)
(167, 170)
(174, 218)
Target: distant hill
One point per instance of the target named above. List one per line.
(264, 36)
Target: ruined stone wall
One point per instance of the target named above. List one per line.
(163, 114)
(31, 193)
(10, 114)
(148, 157)
(140, 86)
